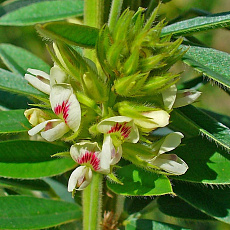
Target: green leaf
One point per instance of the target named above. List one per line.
(212, 63)
(174, 206)
(39, 185)
(212, 200)
(15, 83)
(198, 24)
(32, 159)
(13, 121)
(13, 101)
(139, 224)
(21, 212)
(18, 60)
(41, 11)
(72, 34)
(196, 121)
(207, 163)
(138, 182)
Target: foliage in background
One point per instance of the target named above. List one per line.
(202, 194)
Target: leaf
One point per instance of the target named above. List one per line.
(138, 182)
(213, 201)
(212, 63)
(207, 163)
(39, 185)
(174, 206)
(40, 12)
(15, 83)
(13, 121)
(13, 101)
(32, 159)
(198, 24)
(18, 60)
(139, 224)
(196, 121)
(21, 212)
(72, 34)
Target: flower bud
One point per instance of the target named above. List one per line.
(35, 116)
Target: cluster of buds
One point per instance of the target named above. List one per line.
(109, 112)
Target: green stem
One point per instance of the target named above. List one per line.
(92, 203)
(114, 13)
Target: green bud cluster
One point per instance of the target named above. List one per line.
(135, 57)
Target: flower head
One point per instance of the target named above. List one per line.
(120, 128)
(66, 106)
(43, 81)
(91, 158)
(169, 162)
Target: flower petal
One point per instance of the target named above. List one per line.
(109, 154)
(40, 73)
(120, 124)
(57, 75)
(65, 104)
(154, 119)
(185, 97)
(169, 96)
(37, 83)
(168, 143)
(54, 130)
(35, 116)
(80, 178)
(171, 163)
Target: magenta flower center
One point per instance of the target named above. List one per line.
(90, 158)
(63, 109)
(121, 128)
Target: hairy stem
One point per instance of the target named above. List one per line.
(92, 203)
(114, 12)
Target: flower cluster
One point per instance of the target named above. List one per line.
(109, 110)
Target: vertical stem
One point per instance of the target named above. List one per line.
(92, 203)
(93, 16)
(114, 13)
(91, 197)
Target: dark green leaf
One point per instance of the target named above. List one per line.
(212, 63)
(24, 184)
(13, 121)
(174, 206)
(32, 159)
(15, 83)
(207, 163)
(72, 34)
(139, 224)
(14, 101)
(198, 24)
(40, 11)
(21, 212)
(138, 182)
(213, 201)
(18, 60)
(195, 121)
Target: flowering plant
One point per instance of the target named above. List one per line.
(111, 120)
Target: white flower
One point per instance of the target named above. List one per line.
(174, 98)
(91, 158)
(169, 162)
(66, 106)
(120, 128)
(152, 120)
(43, 81)
(35, 116)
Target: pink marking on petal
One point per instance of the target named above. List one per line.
(48, 126)
(122, 128)
(90, 158)
(62, 109)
